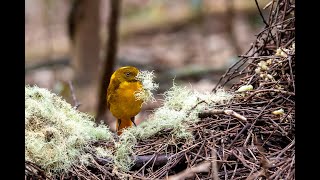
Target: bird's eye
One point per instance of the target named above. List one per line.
(127, 74)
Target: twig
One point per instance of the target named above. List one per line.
(268, 90)
(208, 113)
(238, 135)
(243, 161)
(144, 161)
(32, 166)
(266, 6)
(291, 73)
(286, 148)
(214, 166)
(283, 132)
(76, 102)
(256, 175)
(191, 172)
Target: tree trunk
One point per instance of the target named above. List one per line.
(84, 27)
(230, 12)
(110, 58)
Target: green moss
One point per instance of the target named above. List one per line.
(180, 107)
(56, 133)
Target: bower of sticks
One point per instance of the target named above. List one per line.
(252, 137)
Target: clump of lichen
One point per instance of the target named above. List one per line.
(180, 107)
(56, 133)
(148, 85)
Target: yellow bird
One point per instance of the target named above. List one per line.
(121, 99)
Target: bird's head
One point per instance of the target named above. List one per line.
(127, 73)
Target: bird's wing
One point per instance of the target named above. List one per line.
(111, 91)
(108, 98)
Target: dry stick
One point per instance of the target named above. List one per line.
(264, 30)
(188, 159)
(101, 168)
(220, 164)
(269, 90)
(250, 126)
(144, 161)
(223, 155)
(283, 132)
(214, 166)
(195, 158)
(140, 161)
(145, 164)
(243, 161)
(276, 11)
(285, 10)
(235, 70)
(238, 135)
(79, 174)
(286, 148)
(191, 172)
(266, 6)
(248, 137)
(271, 12)
(76, 102)
(291, 165)
(289, 42)
(256, 175)
(36, 167)
(204, 158)
(208, 113)
(264, 21)
(234, 171)
(291, 74)
(228, 71)
(178, 156)
(91, 175)
(164, 169)
(289, 176)
(280, 171)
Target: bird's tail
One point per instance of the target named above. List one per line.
(122, 124)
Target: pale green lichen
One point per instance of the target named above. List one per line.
(56, 133)
(283, 52)
(148, 85)
(180, 107)
(278, 112)
(103, 152)
(245, 88)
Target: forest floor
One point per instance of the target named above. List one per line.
(195, 54)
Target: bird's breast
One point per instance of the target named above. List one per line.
(126, 105)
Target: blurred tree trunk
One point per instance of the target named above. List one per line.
(46, 14)
(110, 58)
(230, 12)
(84, 27)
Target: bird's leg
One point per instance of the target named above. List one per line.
(119, 122)
(132, 119)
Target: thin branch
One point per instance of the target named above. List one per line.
(191, 172)
(214, 165)
(208, 113)
(264, 21)
(269, 90)
(73, 94)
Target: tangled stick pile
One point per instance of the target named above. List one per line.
(250, 136)
(254, 134)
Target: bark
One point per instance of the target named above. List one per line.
(83, 28)
(111, 53)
